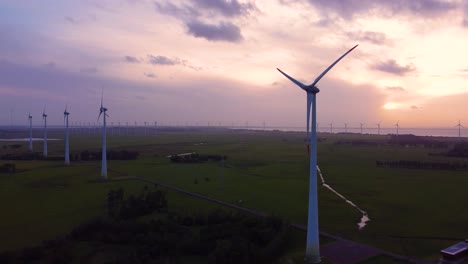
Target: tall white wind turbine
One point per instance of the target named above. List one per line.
(378, 127)
(312, 244)
(459, 129)
(102, 111)
(44, 117)
(67, 146)
(346, 127)
(331, 127)
(397, 127)
(30, 132)
(362, 124)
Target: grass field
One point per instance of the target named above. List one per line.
(410, 210)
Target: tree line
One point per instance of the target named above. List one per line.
(150, 233)
(196, 158)
(85, 155)
(412, 164)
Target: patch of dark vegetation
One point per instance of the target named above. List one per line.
(8, 168)
(196, 158)
(413, 141)
(23, 156)
(87, 155)
(12, 146)
(459, 150)
(161, 236)
(412, 164)
(360, 142)
(147, 202)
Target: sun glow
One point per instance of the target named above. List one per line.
(392, 106)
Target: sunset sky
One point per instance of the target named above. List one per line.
(199, 61)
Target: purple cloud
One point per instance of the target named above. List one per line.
(395, 88)
(162, 60)
(224, 31)
(150, 75)
(89, 70)
(391, 66)
(131, 59)
(71, 20)
(350, 8)
(377, 38)
(227, 8)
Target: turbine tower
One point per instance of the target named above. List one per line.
(397, 126)
(312, 245)
(67, 149)
(459, 130)
(378, 127)
(44, 117)
(361, 127)
(30, 132)
(346, 127)
(102, 111)
(331, 127)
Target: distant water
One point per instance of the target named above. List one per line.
(435, 132)
(24, 139)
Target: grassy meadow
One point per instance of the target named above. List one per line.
(413, 212)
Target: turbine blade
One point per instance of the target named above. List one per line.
(102, 97)
(331, 66)
(298, 83)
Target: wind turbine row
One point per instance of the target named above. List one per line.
(312, 244)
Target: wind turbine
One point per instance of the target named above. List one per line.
(331, 127)
(30, 132)
(459, 129)
(44, 117)
(102, 111)
(312, 245)
(397, 126)
(361, 127)
(346, 127)
(378, 127)
(67, 151)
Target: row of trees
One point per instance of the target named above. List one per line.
(8, 168)
(196, 158)
(85, 155)
(164, 237)
(147, 202)
(412, 140)
(111, 155)
(411, 164)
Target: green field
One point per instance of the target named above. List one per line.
(410, 210)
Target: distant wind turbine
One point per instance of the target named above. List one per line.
(459, 129)
(44, 117)
(362, 124)
(346, 127)
(102, 111)
(378, 127)
(67, 150)
(331, 127)
(397, 127)
(30, 132)
(312, 245)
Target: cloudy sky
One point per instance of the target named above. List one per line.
(199, 61)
